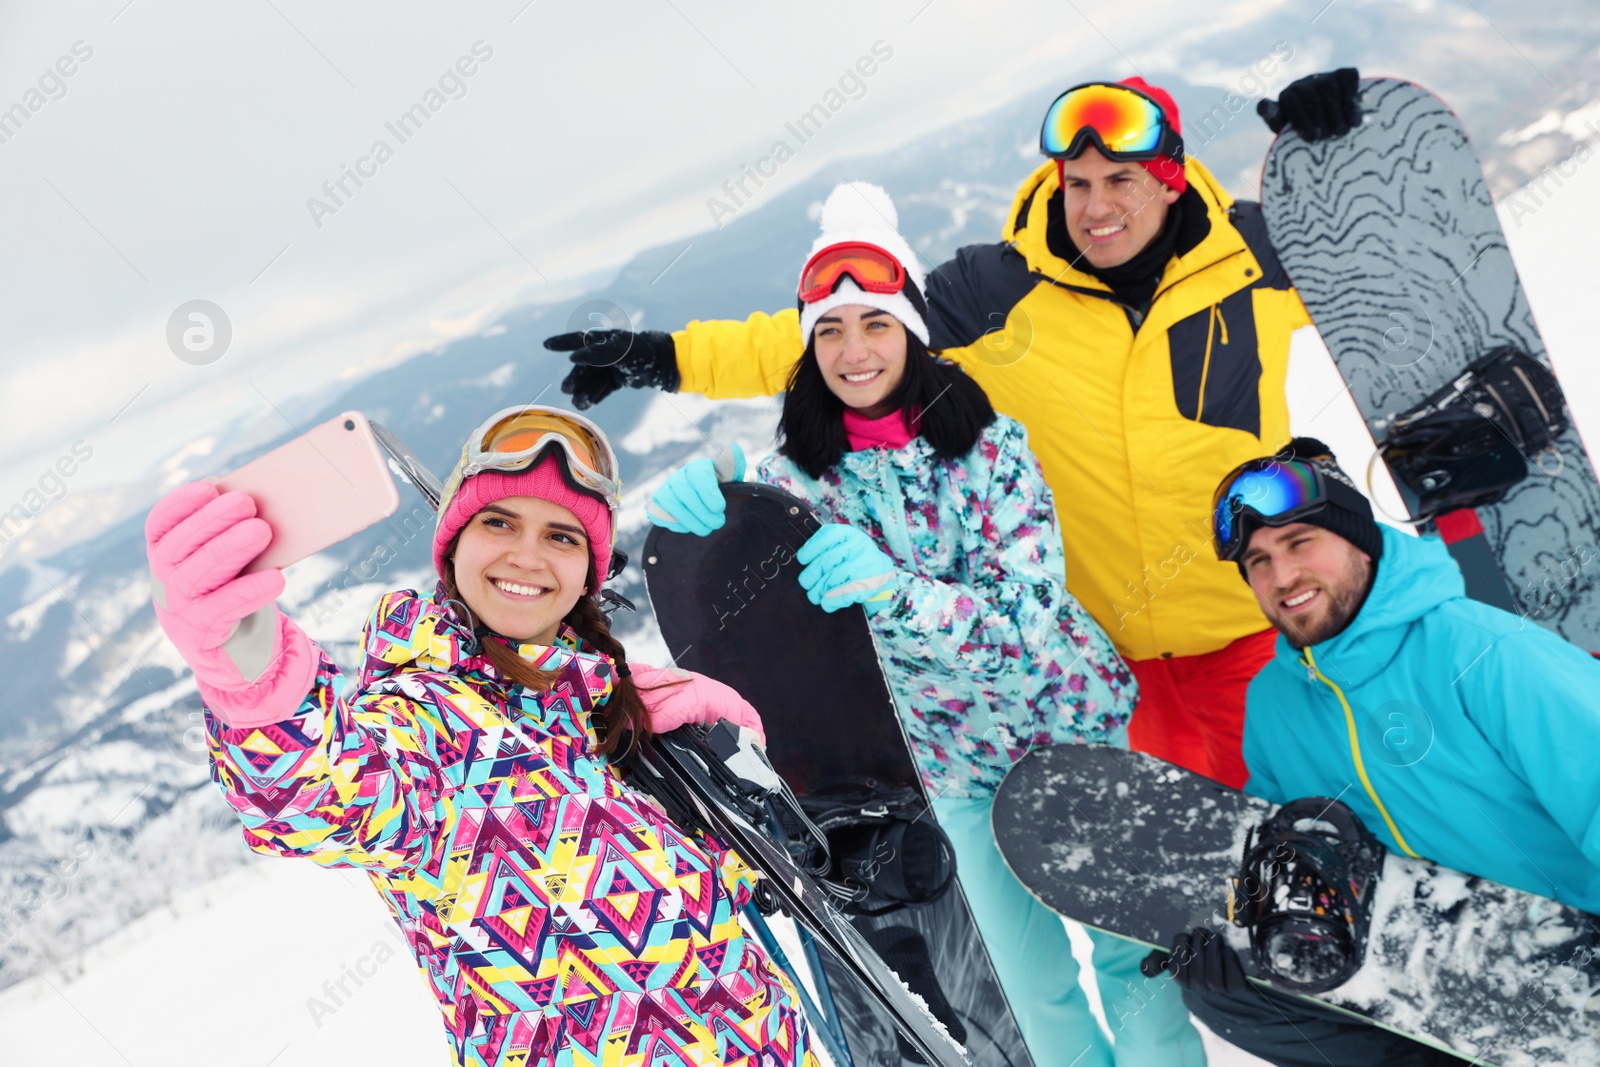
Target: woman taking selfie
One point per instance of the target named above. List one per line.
(558, 915)
(938, 521)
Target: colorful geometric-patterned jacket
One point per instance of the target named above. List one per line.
(987, 653)
(559, 916)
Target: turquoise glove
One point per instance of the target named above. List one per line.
(691, 501)
(843, 566)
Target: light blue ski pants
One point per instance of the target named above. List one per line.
(1033, 955)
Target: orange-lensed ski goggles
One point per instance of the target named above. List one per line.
(869, 266)
(1123, 123)
(514, 439)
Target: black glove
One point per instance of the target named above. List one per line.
(1317, 106)
(604, 361)
(1200, 960)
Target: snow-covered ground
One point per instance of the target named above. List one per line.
(277, 964)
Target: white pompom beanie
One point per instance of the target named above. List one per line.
(861, 211)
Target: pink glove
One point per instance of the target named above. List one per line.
(684, 697)
(253, 665)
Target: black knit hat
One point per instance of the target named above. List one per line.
(1346, 512)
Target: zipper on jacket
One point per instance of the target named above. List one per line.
(1355, 750)
(1205, 366)
(889, 477)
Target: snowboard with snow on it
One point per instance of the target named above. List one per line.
(1130, 844)
(731, 606)
(718, 780)
(1390, 236)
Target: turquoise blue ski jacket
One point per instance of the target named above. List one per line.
(1457, 731)
(987, 653)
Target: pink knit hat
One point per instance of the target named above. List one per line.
(543, 480)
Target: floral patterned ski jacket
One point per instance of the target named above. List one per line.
(987, 653)
(558, 915)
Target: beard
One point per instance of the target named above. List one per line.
(1343, 595)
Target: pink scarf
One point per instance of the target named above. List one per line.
(888, 432)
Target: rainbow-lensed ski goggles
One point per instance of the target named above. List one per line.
(1274, 492)
(514, 439)
(1123, 123)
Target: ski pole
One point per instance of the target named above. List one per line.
(808, 945)
(822, 1022)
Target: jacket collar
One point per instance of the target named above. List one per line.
(914, 455)
(1027, 225)
(421, 632)
(585, 673)
(1415, 576)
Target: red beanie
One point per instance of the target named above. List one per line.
(1167, 171)
(543, 480)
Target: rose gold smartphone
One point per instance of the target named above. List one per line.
(327, 484)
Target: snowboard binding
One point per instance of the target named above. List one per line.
(1304, 891)
(1470, 442)
(883, 850)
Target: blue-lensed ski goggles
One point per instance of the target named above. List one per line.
(1272, 492)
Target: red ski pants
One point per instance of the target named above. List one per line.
(1191, 708)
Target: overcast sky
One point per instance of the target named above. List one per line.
(178, 159)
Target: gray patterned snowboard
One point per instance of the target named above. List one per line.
(1127, 843)
(1390, 236)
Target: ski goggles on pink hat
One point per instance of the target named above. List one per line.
(1125, 124)
(512, 440)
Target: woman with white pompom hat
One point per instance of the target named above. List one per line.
(939, 523)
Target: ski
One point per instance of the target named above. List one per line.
(408, 465)
(687, 775)
(824, 1020)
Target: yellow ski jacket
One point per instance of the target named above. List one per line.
(1134, 417)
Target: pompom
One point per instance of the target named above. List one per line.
(856, 206)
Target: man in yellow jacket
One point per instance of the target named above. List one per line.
(1135, 319)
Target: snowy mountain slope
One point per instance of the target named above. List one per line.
(151, 993)
(198, 982)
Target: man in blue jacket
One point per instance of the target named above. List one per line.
(1456, 731)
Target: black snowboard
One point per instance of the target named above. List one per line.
(730, 606)
(1391, 238)
(1127, 843)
